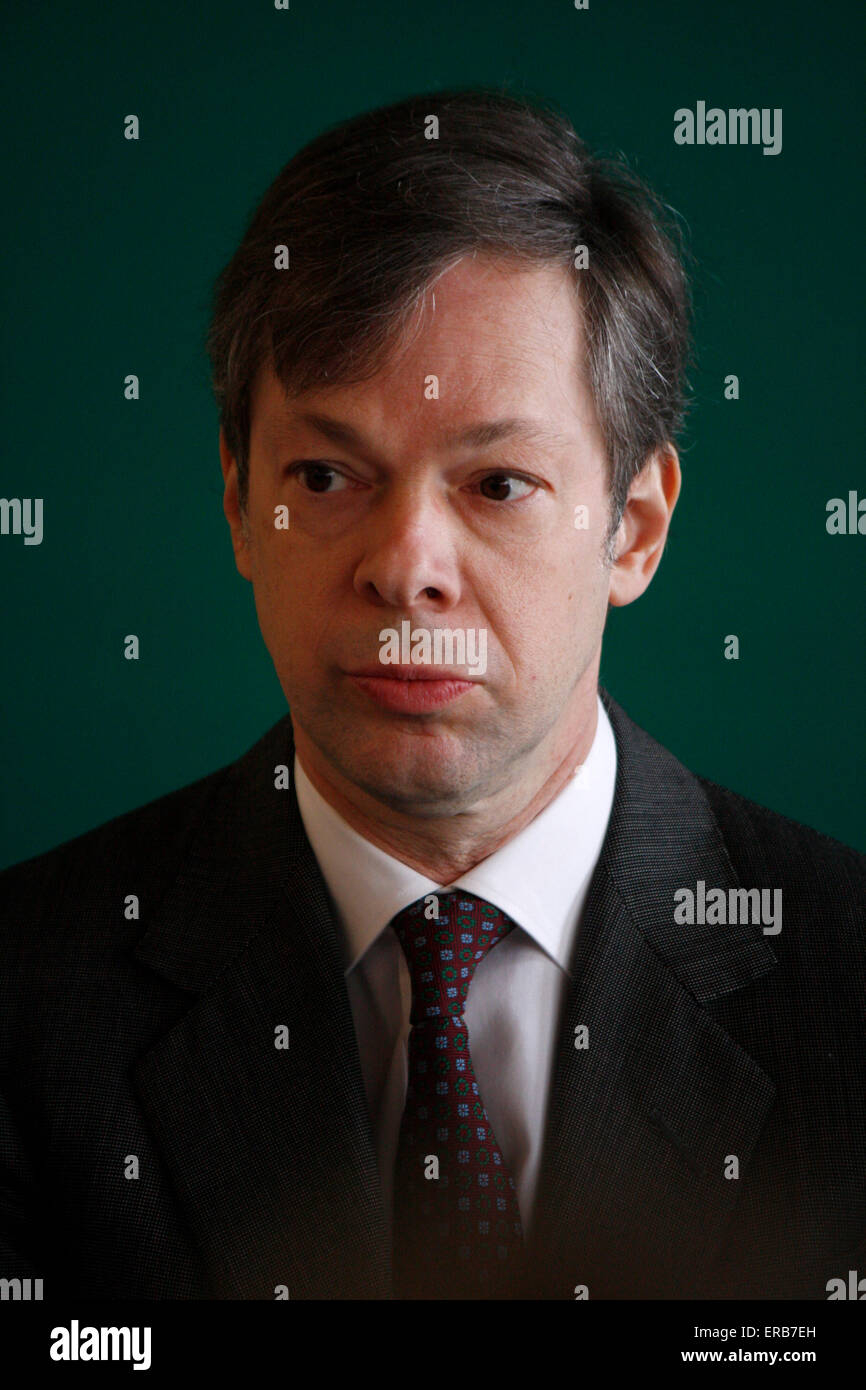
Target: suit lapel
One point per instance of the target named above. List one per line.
(633, 1199)
(269, 1149)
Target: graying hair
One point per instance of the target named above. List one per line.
(373, 212)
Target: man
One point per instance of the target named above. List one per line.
(457, 984)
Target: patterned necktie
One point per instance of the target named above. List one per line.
(457, 1230)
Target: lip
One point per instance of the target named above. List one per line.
(410, 689)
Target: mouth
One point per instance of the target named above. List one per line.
(410, 689)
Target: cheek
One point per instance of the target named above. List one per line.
(296, 606)
(275, 589)
(277, 572)
(564, 570)
(270, 575)
(579, 609)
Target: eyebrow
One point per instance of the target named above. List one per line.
(479, 436)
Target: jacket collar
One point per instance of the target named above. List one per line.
(636, 1186)
(663, 836)
(270, 1149)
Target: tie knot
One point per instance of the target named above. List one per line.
(443, 937)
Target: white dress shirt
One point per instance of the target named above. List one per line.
(540, 879)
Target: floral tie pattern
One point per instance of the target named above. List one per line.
(457, 1229)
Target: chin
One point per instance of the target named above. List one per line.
(413, 778)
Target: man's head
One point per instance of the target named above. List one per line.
(434, 286)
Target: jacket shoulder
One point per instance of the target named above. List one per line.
(75, 891)
(761, 841)
(758, 841)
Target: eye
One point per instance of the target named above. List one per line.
(318, 476)
(502, 487)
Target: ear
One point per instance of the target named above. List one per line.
(237, 520)
(643, 530)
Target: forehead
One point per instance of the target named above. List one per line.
(491, 337)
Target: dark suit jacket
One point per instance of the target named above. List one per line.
(154, 1038)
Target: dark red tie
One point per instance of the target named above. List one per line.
(457, 1229)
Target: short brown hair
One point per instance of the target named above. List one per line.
(373, 210)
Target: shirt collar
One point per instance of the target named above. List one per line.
(539, 878)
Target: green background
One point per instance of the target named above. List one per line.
(110, 248)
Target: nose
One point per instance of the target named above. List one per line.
(409, 554)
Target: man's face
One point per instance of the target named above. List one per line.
(393, 519)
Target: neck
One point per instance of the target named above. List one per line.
(442, 849)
